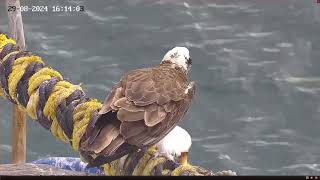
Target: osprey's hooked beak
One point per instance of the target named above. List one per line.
(183, 159)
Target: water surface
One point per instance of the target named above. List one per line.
(256, 64)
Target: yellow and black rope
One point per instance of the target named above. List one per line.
(65, 110)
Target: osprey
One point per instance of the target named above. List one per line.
(142, 108)
(175, 145)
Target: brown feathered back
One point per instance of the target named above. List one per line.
(141, 109)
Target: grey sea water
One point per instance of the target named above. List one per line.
(256, 64)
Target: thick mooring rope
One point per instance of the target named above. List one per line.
(63, 108)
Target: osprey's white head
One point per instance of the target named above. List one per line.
(175, 145)
(179, 56)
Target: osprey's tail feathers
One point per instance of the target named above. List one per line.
(103, 138)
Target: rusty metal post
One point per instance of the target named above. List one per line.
(18, 117)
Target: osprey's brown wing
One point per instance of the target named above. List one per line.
(141, 109)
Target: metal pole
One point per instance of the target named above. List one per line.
(18, 117)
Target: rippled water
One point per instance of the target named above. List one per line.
(256, 64)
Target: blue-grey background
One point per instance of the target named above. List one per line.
(256, 64)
